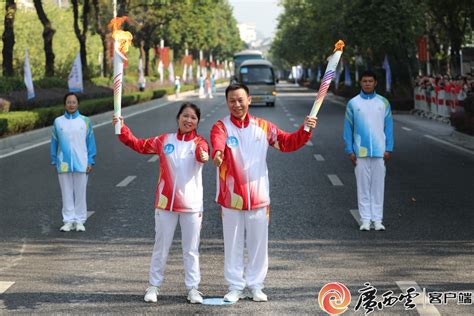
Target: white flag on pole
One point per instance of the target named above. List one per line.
(74, 81)
(28, 79)
(185, 72)
(190, 72)
(160, 71)
(171, 72)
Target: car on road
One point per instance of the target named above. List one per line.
(258, 75)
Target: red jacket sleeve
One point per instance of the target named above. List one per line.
(218, 137)
(201, 145)
(140, 145)
(287, 142)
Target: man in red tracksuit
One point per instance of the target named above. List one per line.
(240, 143)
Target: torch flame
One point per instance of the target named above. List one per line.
(339, 46)
(123, 39)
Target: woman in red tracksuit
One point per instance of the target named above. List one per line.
(179, 196)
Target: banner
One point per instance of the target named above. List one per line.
(347, 76)
(74, 81)
(171, 73)
(160, 70)
(28, 79)
(388, 74)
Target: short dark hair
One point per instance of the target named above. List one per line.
(368, 73)
(69, 94)
(192, 106)
(236, 86)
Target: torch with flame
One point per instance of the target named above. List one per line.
(122, 42)
(329, 74)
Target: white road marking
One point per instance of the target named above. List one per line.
(318, 157)
(292, 119)
(5, 285)
(24, 149)
(406, 128)
(334, 180)
(356, 215)
(126, 181)
(153, 159)
(208, 115)
(288, 114)
(421, 307)
(296, 125)
(309, 143)
(90, 213)
(202, 120)
(449, 144)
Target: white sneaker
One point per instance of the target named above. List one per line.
(365, 226)
(234, 295)
(151, 294)
(194, 296)
(259, 296)
(80, 227)
(379, 226)
(67, 227)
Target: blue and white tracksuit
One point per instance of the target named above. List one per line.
(72, 150)
(368, 133)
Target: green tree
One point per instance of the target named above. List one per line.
(82, 35)
(48, 33)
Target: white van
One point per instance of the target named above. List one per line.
(259, 77)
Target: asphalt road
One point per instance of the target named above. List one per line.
(314, 238)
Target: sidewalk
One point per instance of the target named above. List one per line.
(433, 128)
(31, 139)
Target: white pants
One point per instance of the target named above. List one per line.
(370, 176)
(73, 190)
(165, 225)
(254, 226)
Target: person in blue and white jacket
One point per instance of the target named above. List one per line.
(72, 152)
(368, 137)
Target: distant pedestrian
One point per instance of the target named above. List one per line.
(72, 152)
(177, 86)
(368, 137)
(179, 196)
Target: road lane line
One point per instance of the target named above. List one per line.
(356, 215)
(90, 213)
(126, 181)
(335, 180)
(292, 119)
(208, 115)
(449, 144)
(296, 125)
(309, 143)
(406, 128)
(318, 157)
(153, 159)
(5, 285)
(202, 120)
(25, 149)
(288, 114)
(421, 307)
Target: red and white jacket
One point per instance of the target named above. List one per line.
(179, 186)
(243, 176)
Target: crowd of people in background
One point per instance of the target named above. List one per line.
(461, 86)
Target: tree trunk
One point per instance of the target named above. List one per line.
(146, 48)
(8, 38)
(82, 36)
(48, 33)
(103, 36)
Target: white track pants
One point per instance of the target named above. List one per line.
(73, 190)
(370, 176)
(254, 226)
(165, 225)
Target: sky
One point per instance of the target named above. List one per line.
(263, 13)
